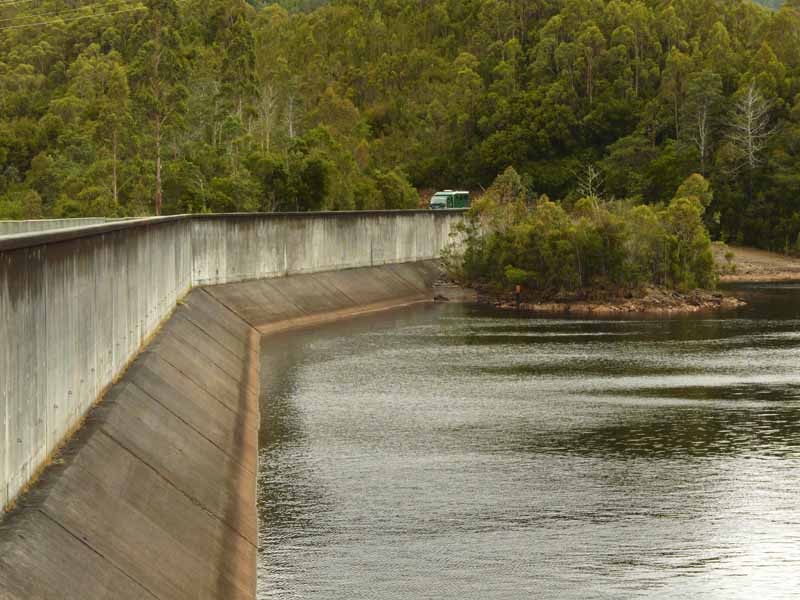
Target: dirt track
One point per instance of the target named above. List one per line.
(756, 265)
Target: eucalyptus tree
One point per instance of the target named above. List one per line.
(159, 73)
(703, 113)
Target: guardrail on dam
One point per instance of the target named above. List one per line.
(20, 227)
(77, 305)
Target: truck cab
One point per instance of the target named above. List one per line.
(449, 199)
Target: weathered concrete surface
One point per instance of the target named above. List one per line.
(155, 497)
(77, 305)
(228, 249)
(73, 313)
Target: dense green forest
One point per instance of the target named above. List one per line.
(125, 108)
(306, 5)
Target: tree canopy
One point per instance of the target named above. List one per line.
(592, 246)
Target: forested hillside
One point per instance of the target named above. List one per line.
(312, 4)
(117, 107)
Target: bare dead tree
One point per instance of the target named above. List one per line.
(590, 182)
(702, 133)
(267, 111)
(750, 128)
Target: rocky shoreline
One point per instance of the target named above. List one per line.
(735, 264)
(652, 302)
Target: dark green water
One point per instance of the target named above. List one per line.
(446, 452)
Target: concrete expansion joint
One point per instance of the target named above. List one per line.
(205, 291)
(234, 458)
(84, 541)
(199, 325)
(177, 488)
(198, 384)
(343, 293)
(211, 361)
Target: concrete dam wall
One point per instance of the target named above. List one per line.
(154, 497)
(77, 305)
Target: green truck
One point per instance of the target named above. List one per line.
(449, 199)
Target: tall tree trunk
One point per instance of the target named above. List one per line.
(702, 136)
(114, 181)
(157, 89)
(158, 195)
(291, 117)
(677, 118)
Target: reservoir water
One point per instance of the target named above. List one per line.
(451, 452)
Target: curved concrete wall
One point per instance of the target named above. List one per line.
(232, 249)
(156, 496)
(77, 305)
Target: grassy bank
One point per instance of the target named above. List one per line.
(742, 265)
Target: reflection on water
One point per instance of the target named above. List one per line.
(453, 453)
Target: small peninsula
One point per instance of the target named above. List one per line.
(590, 255)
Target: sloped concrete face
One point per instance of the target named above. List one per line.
(156, 495)
(300, 300)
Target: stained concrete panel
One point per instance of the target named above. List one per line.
(215, 420)
(155, 497)
(64, 565)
